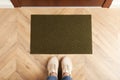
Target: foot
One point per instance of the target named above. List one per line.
(53, 67)
(66, 66)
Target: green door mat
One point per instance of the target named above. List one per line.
(61, 34)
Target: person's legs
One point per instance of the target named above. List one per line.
(66, 68)
(52, 69)
(66, 78)
(52, 78)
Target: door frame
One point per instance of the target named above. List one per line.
(106, 3)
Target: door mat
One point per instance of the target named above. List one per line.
(61, 34)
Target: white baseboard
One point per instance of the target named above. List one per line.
(115, 4)
(6, 4)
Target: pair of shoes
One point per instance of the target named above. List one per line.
(53, 65)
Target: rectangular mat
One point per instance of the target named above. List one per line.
(61, 34)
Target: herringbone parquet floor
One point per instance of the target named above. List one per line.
(16, 62)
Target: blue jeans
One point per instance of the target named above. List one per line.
(55, 78)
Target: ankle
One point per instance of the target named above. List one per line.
(53, 74)
(65, 74)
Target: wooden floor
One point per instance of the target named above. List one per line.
(16, 62)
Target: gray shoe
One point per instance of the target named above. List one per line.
(66, 65)
(53, 65)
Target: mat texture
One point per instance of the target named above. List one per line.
(61, 34)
